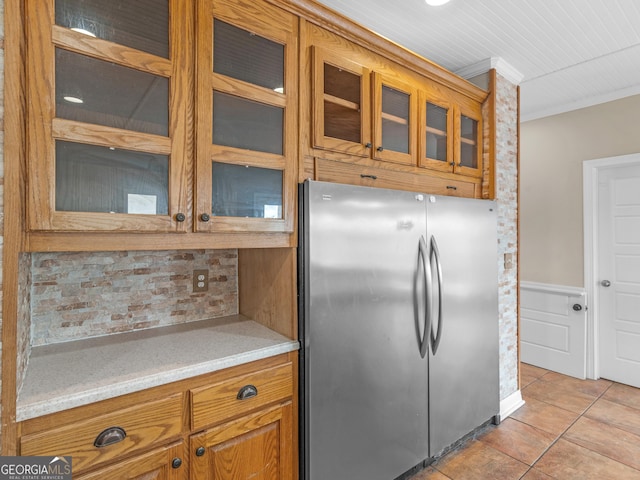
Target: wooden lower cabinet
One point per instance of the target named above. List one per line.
(165, 463)
(256, 446)
(235, 424)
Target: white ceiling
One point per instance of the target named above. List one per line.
(566, 54)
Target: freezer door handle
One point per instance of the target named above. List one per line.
(423, 255)
(435, 338)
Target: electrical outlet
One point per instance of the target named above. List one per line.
(200, 280)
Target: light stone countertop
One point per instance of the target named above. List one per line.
(67, 375)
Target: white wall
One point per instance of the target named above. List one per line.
(552, 150)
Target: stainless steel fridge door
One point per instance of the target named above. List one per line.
(365, 382)
(463, 363)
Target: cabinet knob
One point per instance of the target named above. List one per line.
(380, 148)
(176, 463)
(205, 217)
(368, 145)
(109, 437)
(180, 217)
(247, 391)
(200, 451)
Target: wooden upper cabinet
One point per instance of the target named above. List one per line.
(108, 141)
(450, 135)
(360, 112)
(436, 133)
(247, 130)
(341, 104)
(468, 140)
(395, 120)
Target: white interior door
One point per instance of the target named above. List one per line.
(618, 273)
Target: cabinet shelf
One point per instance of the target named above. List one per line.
(436, 131)
(395, 119)
(342, 102)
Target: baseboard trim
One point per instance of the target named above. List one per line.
(510, 404)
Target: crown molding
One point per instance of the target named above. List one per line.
(501, 66)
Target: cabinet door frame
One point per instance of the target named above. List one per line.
(280, 416)
(43, 128)
(320, 57)
(281, 27)
(423, 160)
(473, 111)
(380, 81)
(157, 460)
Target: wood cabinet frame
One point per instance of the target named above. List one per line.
(280, 27)
(44, 128)
(423, 160)
(320, 140)
(474, 112)
(409, 158)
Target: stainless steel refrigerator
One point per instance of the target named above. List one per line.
(398, 326)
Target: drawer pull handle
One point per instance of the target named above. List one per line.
(246, 392)
(451, 187)
(109, 437)
(364, 175)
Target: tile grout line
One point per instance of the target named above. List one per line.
(566, 429)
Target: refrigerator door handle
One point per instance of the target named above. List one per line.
(424, 255)
(435, 338)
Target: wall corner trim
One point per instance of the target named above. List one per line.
(510, 404)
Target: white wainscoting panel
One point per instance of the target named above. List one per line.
(552, 334)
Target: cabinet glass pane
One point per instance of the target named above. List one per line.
(245, 56)
(436, 132)
(140, 25)
(246, 124)
(395, 120)
(468, 142)
(93, 91)
(243, 191)
(342, 117)
(91, 178)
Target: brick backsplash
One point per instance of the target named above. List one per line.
(80, 295)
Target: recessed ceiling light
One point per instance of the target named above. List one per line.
(83, 31)
(71, 99)
(436, 3)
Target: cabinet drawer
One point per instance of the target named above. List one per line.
(143, 425)
(339, 172)
(221, 401)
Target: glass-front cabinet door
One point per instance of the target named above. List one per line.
(395, 116)
(109, 94)
(436, 133)
(246, 117)
(468, 142)
(341, 104)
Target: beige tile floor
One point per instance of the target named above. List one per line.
(568, 429)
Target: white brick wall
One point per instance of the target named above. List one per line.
(507, 198)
